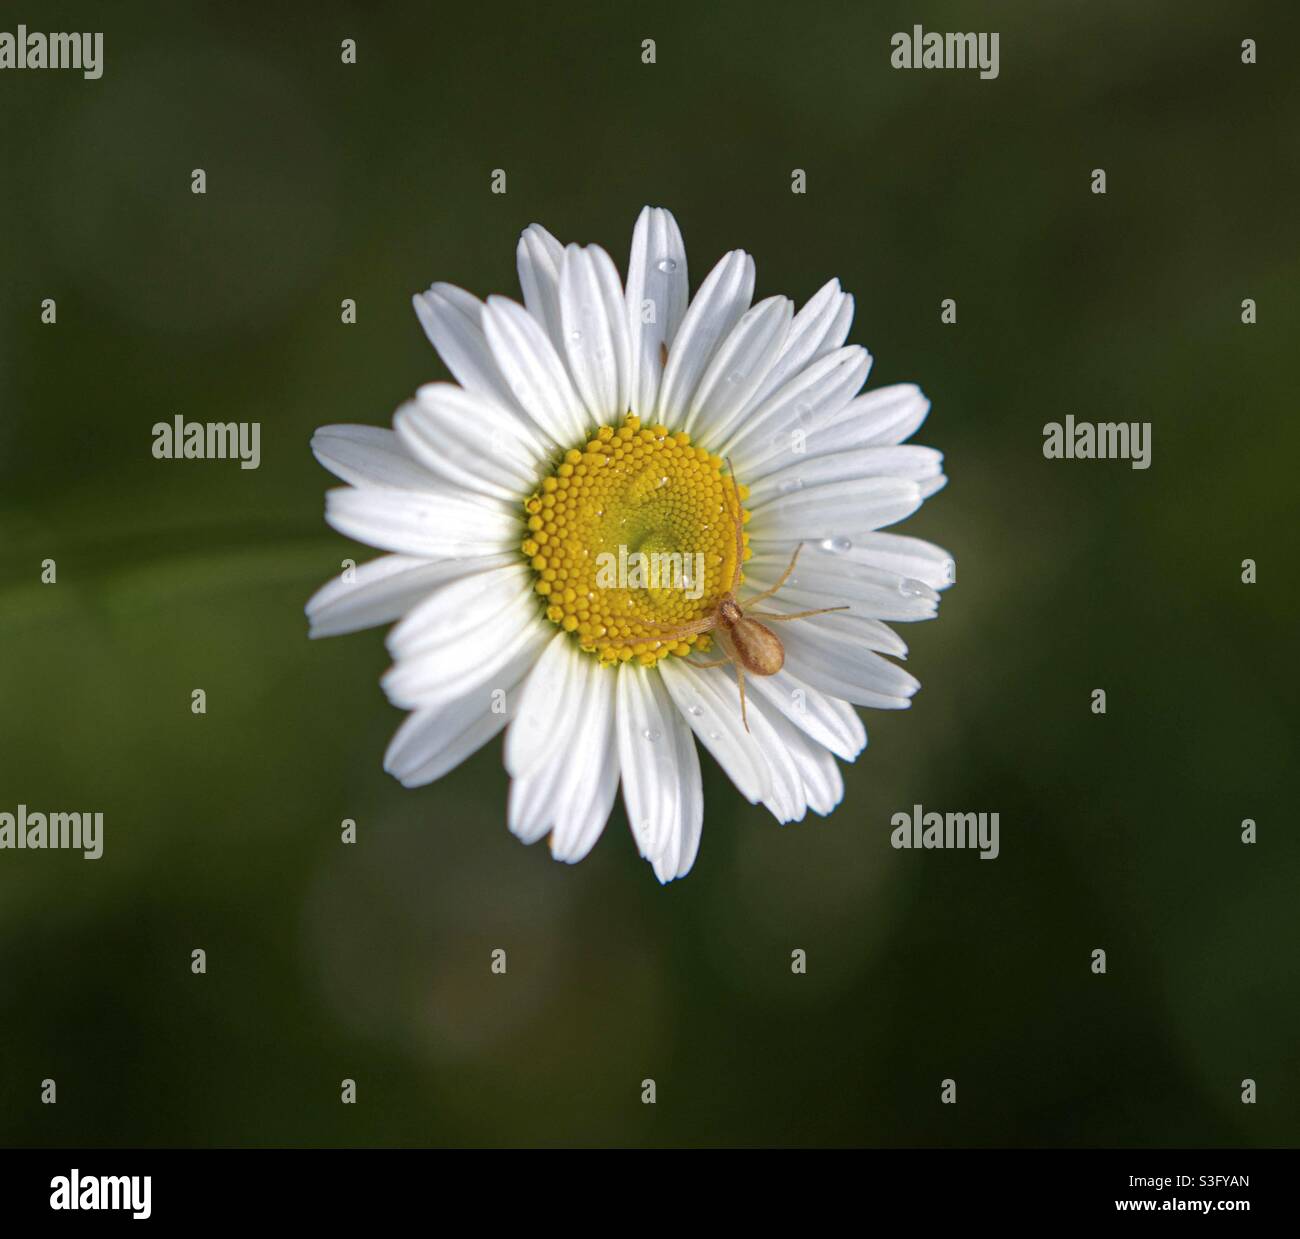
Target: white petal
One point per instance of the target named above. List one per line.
(932, 484)
(533, 369)
(453, 321)
(823, 785)
(433, 741)
(528, 801)
(912, 559)
(368, 456)
(919, 464)
(651, 760)
(384, 589)
(812, 779)
(424, 522)
(830, 579)
(834, 662)
(710, 703)
(831, 722)
(836, 510)
(538, 258)
(801, 773)
(595, 331)
(571, 841)
(715, 309)
(820, 327)
(656, 274)
(797, 408)
(877, 418)
(683, 845)
(742, 361)
(551, 697)
(585, 798)
(560, 751)
(470, 441)
(785, 795)
(461, 606)
(495, 653)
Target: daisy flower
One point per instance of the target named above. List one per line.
(600, 425)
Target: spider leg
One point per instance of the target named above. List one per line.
(714, 662)
(740, 683)
(672, 632)
(724, 640)
(785, 576)
(740, 525)
(772, 618)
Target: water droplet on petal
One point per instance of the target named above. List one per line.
(950, 572)
(696, 711)
(715, 735)
(650, 735)
(836, 545)
(666, 265)
(910, 588)
(735, 377)
(575, 336)
(792, 484)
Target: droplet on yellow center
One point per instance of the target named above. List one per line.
(633, 534)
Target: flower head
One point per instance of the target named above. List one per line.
(578, 529)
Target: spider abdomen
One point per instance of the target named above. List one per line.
(759, 649)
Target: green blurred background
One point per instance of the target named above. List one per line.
(370, 181)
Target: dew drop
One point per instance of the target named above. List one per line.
(950, 572)
(696, 711)
(792, 484)
(575, 336)
(666, 265)
(735, 377)
(715, 735)
(650, 735)
(836, 545)
(910, 588)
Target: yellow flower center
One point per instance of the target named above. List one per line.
(634, 534)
